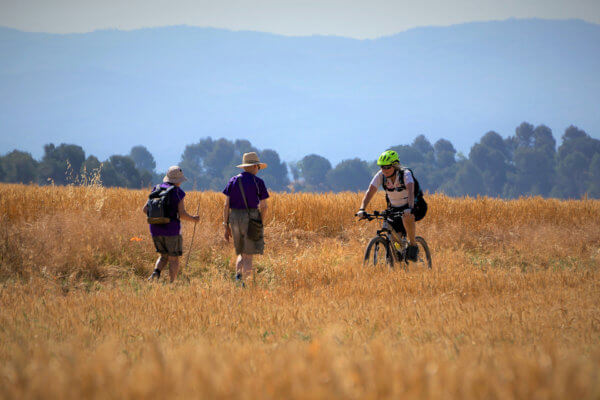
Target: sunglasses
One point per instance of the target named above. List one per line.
(386, 167)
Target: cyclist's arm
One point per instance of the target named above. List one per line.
(368, 196)
(411, 194)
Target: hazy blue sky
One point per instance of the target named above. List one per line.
(357, 18)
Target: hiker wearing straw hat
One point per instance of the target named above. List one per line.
(165, 208)
(244, 210)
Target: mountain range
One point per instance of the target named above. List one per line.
(341, 98)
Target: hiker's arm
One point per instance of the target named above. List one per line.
(184, 215)
(226, 219)
(262, 206)
(411, 194)
(368, 196)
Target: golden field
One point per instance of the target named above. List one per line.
(510, 309)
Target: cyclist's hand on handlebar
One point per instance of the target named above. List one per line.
(361, 214)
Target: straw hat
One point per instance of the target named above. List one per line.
(250, 159)
(174, 175)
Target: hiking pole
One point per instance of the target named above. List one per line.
(193, 234)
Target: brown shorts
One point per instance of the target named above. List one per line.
(171, 245)
(238, 220)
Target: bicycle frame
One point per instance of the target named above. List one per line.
(392, 236)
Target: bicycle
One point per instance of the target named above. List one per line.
(393, 244)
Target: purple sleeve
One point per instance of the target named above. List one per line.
(177, 195)
(263, 193)
(227, 190)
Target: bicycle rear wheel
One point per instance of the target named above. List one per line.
(378, 253)
(424, 256)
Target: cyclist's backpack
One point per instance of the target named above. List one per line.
(159, 211)
(420, 203)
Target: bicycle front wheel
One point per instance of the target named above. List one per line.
(378, 253)
(424, 256)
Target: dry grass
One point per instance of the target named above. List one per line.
(509, 311)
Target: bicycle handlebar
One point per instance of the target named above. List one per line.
(380, 214)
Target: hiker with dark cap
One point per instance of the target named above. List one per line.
(244, 210)
(165, 208)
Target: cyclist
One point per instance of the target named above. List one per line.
(399, 185)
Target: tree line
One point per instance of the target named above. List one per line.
(527, 163)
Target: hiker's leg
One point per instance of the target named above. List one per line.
(246, 264)
(239, 265)
(409, 225)
(161, 263)
(173, 267)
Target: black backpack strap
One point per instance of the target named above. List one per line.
(401, 172)
(418, 191)
(387, 199)
(167, 190)
(166, 194)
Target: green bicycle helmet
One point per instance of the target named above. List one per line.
(388, 157)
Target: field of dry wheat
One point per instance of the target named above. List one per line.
(509, 310)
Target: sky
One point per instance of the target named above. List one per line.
(360, 19)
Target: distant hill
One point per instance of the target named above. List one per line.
(338, 97)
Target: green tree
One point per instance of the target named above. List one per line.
(353, 175)
(408, 155)
(62, 164)
(143, 159)
(276, 174)
(120, 171)
(423, 146)
(314, 170)
(90, 170)
(19, 167)
(524, 135)
(209, 163)
(220, 158)
(489, 156)
(468, 181)
(594, 176)
(445, 153)
(193, 164)
(534, 160)
(575, 157)
(572, 176)
(425, 169)
(575, 139)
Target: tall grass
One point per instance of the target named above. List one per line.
(508, 311)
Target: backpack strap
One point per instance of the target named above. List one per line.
(239, 182)
(387, 198)
(166, 194)
(401, 172)
(417, 187)
(257, 189)
(385, 180)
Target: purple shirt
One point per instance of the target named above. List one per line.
(254, 188)
(173, 228)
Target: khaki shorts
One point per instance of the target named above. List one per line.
(238, 220)
(171, 245)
